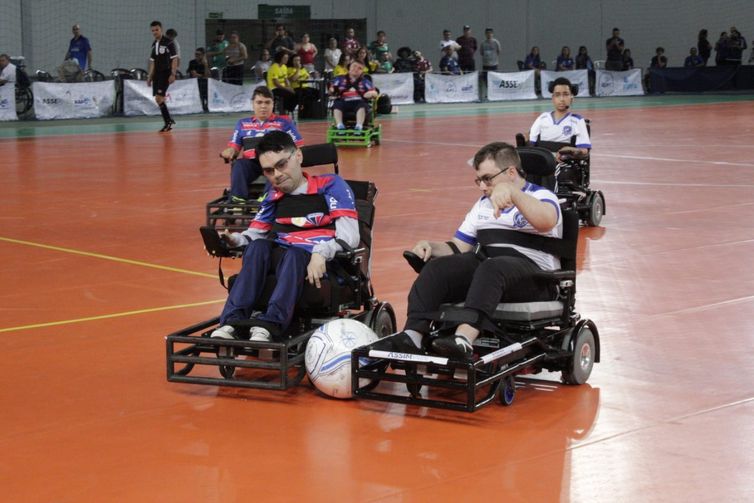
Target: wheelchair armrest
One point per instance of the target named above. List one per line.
(556, 276)
(416, 263)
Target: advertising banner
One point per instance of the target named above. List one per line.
(8, 103)
(626, 83)
(511, 86)
(182, 98)
(451, 88)
(578, 77)
(224, 97)
(82, 100)
(399, 86)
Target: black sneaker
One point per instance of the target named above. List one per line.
(168, 126)
(455, 347)
(398, 343)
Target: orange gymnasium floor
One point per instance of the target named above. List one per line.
(100, 258)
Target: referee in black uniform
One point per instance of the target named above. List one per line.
(163, 63)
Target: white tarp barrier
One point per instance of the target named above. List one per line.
(82, 100)
(626, 83)
(399, 86)
(511, 86)
(451, 88)
(578, 77)
(224, 97)
(8, 103)
(182, 98)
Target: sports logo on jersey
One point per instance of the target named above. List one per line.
(310, 220)
(519, 221)
(567, 130)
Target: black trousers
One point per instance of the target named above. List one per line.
(479, 284)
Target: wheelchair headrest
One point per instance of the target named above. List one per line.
(561, 81)
(537, 161)
(317, 155)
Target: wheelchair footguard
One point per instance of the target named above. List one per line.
(366, 137)
(440, 382)
(192, 356)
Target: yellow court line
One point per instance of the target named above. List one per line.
(106, 257)
(108, 316)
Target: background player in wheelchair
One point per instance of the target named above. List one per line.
(352, 93)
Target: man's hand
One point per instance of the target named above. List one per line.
(229, 154)
(502, 197)
(423, 249)
(316, 269)
(370, 94)
(171, 79)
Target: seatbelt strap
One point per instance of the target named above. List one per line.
(553, 246)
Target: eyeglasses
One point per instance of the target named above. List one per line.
(486, 179)
(281, 165)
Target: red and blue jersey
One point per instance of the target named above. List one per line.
(346, 89)
(252, 127)
(306, 220)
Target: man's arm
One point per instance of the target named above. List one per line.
(150, 72)
(428, 249)
(542, 215)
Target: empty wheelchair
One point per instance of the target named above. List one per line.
(192, 356)
(222, 214)
(573, 181)
(521, 338)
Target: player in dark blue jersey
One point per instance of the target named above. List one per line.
(298, 229)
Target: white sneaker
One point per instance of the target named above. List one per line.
(260, 334)
(224, 332)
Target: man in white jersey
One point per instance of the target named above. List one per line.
(504, 272)
(561, 124)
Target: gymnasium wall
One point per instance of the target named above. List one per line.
(119, 30)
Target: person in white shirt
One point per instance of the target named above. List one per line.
(7, 70)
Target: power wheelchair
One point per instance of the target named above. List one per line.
(221, 214)
(346, 292)
(572, 181)
(527, 338)
(370, 135)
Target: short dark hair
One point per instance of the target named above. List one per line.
(380, 33)
(155, 23)
(660, 49)
(200, 49)
(171, 32)
(262, 91)
(219, 32)
(504, 155)
(279, 25)
(278, 57)
(275, 141)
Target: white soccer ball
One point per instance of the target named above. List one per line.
(328, 355)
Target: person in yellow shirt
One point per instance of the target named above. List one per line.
(277, 81)
(342, 66)
(297, 74)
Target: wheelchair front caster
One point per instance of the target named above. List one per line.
(508, 391)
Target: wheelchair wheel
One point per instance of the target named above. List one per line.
(507, 391)
(383, 322)
(227, 371)
(579, 367)
(596, 209)
(24, 100)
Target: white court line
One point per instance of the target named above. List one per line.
(595, 182)
(670, 159)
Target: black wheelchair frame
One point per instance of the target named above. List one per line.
(527, 339)
(279, 364)
(573, 181)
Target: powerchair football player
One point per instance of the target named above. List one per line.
(354, 107)
(460, 344)
(306, 262)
